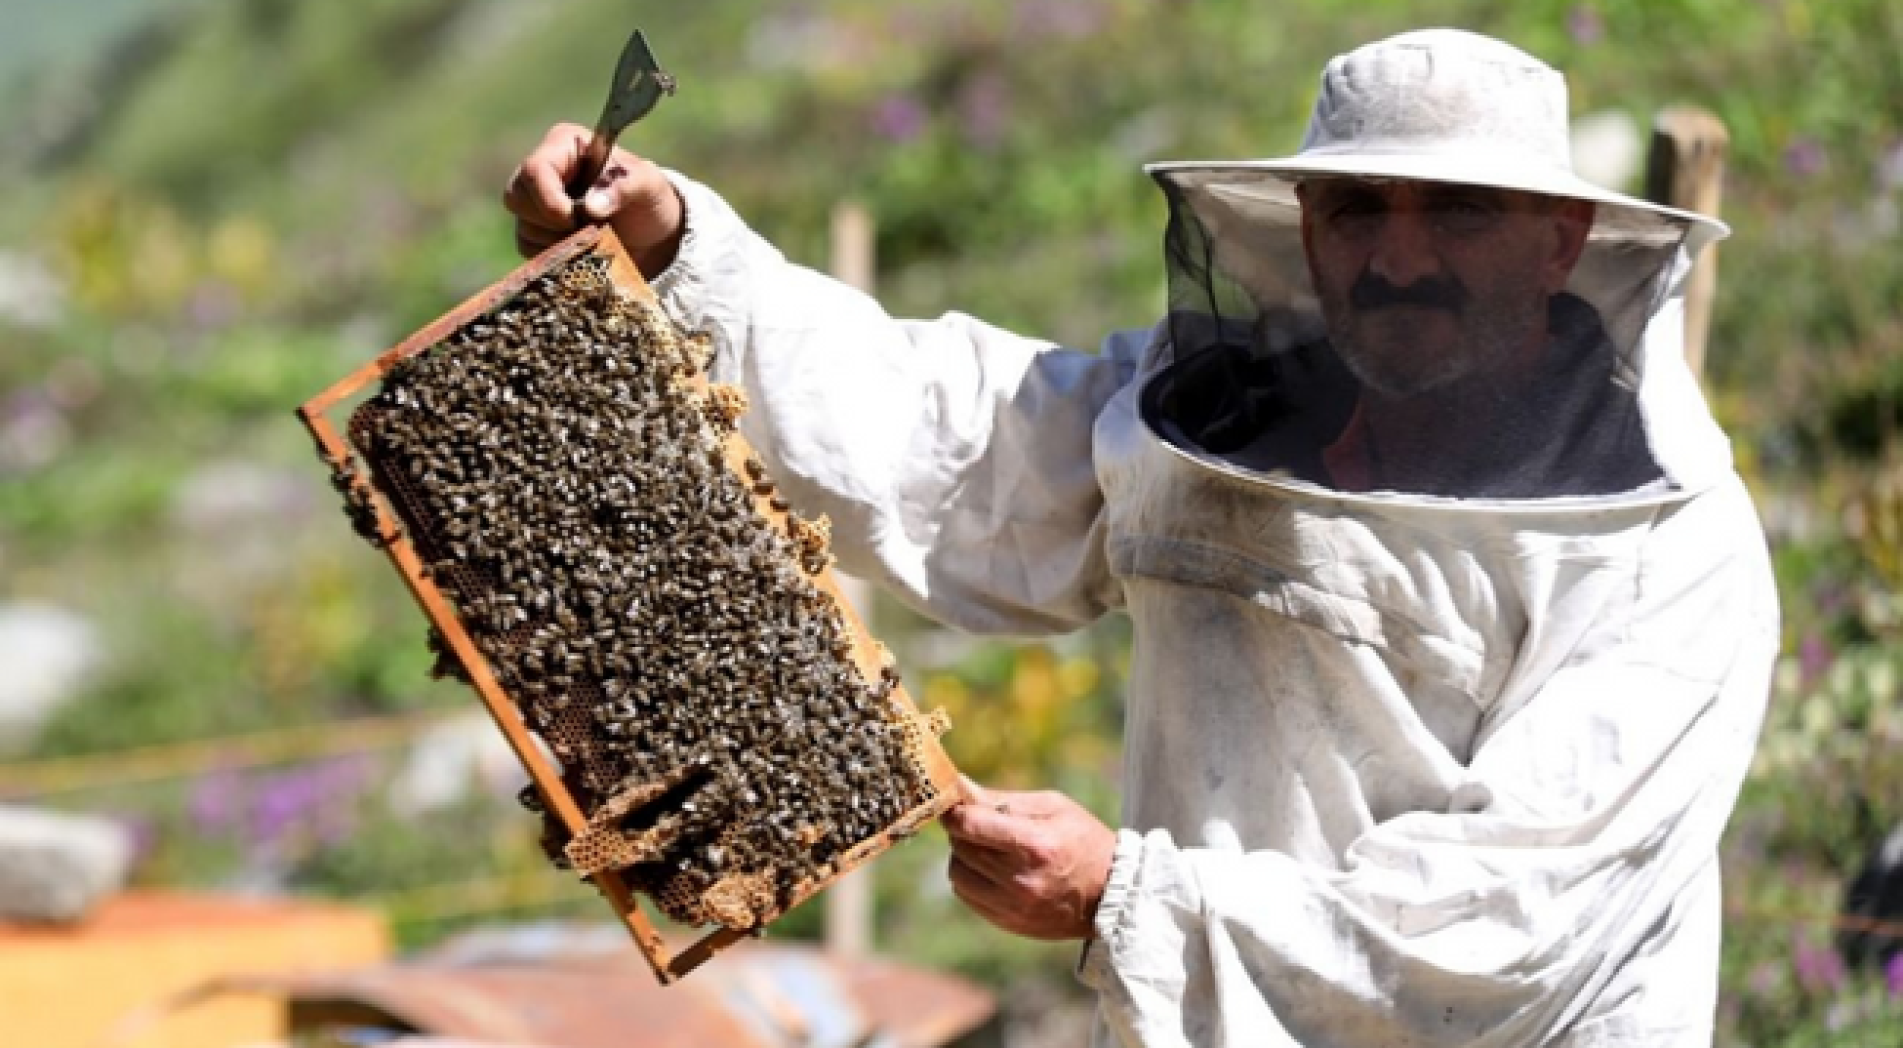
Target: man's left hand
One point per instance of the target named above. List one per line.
(1034, 864)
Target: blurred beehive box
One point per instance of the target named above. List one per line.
(125, 976)
(604, 560)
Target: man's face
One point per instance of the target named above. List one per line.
(1426, 284)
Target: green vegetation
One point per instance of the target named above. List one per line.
(243, 200)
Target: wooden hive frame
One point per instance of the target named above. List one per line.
(868, 655)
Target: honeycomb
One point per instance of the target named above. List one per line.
(562, 470)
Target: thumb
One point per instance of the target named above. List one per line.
(601, 201)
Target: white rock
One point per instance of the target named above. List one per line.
(450, 759)
(240, 518)
(46, 654)
(55, 867)
(221, 497)
(30, 295)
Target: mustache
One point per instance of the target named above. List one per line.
(1373, 292)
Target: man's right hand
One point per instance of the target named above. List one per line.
(631, 195)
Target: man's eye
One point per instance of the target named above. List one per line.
(1466, 216)
(1355, 216)
(1462, 205)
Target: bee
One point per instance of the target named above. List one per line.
(615, 572)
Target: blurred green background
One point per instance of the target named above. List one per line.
(214, 208)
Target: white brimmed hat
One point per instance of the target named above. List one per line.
(1443, 105)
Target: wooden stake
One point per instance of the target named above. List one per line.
(1686, 169)
(849, 904)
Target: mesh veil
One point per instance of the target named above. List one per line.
(1254, 374)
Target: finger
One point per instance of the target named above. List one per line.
(990, 899)
(542, 228)
(973, 796)
(637, 195)
(541, 231)
(538, 191)
(612, 191)
(527, 199)
(998, 864)
(529, 245)
(531, 239)
(535, 238)
(985, 826)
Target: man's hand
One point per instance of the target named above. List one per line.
(631, 195)
(1034, 864)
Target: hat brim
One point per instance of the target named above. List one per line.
(1468, 169)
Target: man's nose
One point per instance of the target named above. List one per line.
(1404, 250)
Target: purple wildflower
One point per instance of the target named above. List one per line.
(213, 305)
(1766, 979)
(281, 803)
(306, 799)
(1831, 598)
(215, 801)
(1819, 969)
(33, 431)
(143, 831)
(898, 118)
(1585, 25)
(1893, 975)
(984, 109)
(1805, 157)
(345, 776)
(1813, 659)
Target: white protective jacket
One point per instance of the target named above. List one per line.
(1398, 771)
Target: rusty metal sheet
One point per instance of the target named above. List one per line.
(764, 995)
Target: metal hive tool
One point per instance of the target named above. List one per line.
(728, 746)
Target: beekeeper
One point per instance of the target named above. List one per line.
(1453, 623)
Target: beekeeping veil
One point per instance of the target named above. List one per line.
(1421, 339)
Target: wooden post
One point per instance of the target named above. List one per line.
(849, 901)
(853, 255)
(1686, 169)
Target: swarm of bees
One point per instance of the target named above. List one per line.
(652, 611)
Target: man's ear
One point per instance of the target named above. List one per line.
(1572, 221)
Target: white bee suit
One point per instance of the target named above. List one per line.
(1402, 767)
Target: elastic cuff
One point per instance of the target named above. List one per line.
(1113, 910)
(675, 285)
